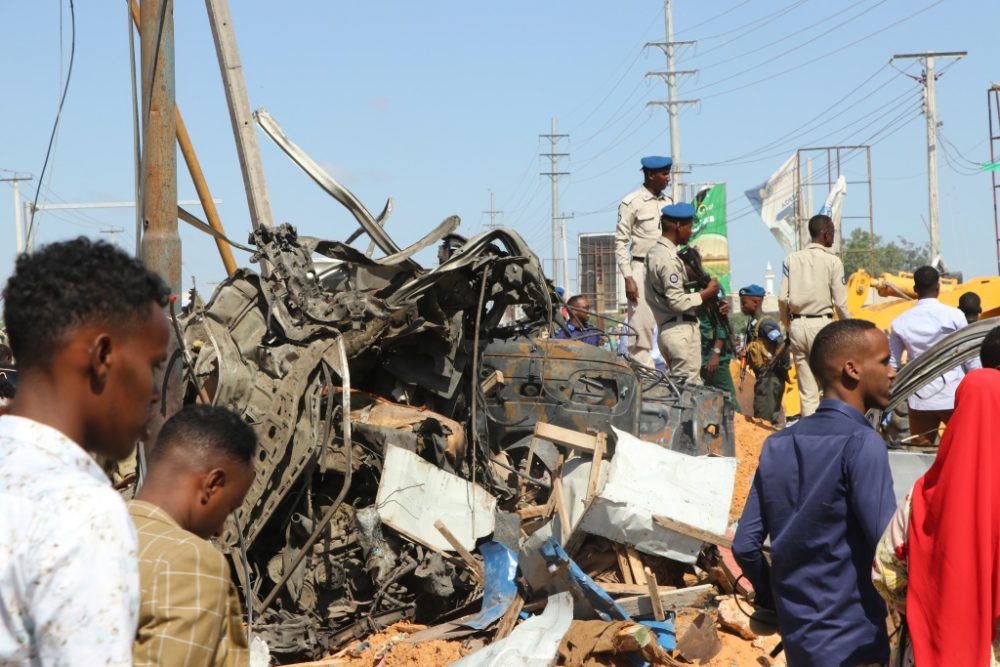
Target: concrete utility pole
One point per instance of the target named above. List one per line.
(930, 110)
(239, 112)
(493, 212)
(554, 175)
(565, 249)
(18, 220)
(161, 243)
(672, 104)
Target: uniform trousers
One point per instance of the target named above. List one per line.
(801, 335)
(640, 317)
(680, 345)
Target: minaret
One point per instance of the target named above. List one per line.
(769, 280)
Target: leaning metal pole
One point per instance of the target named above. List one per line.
(161, 243)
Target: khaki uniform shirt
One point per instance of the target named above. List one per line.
(189, 611)
(638, 226)
(812, 283)
(665, 276)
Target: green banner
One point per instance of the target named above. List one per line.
(991, 166)
(710, 234)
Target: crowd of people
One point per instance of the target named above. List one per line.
(86, 578)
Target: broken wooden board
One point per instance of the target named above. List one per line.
(692, 531)
(565, 437)
(693, 596)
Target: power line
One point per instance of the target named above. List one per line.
(55, 125)
(791, 35)
(819, 57)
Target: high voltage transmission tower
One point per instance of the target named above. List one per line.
(493, 213)
(672, 104)
(557, 220)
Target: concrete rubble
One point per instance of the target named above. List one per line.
(419, 426)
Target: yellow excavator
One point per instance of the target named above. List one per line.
(881, 300)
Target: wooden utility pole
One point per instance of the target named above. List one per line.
(239, 112)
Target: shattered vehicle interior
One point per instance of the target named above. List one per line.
(333, 356)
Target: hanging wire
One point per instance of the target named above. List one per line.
(55, 124)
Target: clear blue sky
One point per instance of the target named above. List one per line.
(436, 103)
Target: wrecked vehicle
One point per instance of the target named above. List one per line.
(339, 360)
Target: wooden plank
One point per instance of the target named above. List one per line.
(510, 617)
(692, 531)
(494, 380)
(595, 467)
(636, 564)
(559, 502)
(612, 588)
(566, 437)
(474, 565)
(692, 596)
(654, 596)
(623, 565)
(534, 511)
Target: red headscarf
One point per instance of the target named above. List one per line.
(953, 599)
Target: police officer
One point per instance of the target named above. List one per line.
(765, 353)
(637, 230)
(812, 290)
(672, 306)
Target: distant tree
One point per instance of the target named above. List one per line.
(891, 257)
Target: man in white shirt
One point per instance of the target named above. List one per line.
(87, 328)
(916, 330)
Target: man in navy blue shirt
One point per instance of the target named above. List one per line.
(823, 494)
(579, 323)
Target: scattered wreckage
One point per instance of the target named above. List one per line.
(398, 410)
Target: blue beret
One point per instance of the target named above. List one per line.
(656, 162)
(682, 211)
(752, 290)
(560, 290)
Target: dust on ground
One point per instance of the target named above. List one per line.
(750, 436)
(389, 649)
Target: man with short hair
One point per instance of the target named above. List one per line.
(812, 291)
(578, 324)
(823, 494)
(989, 353)
(765, 353)
(199, 472)
(637, 231)
(914, 332)
(971, 306)
(674, 308)
(87, 328)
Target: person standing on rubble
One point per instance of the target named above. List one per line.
(638, 229)
(87, 328)
(765, 354)
(823, 494)
(812, 291)
(914, 332)
(716, 353)
(673, 307)
(199, 472)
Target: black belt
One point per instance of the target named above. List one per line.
(796, 316)
(638, 259)
(679, 318)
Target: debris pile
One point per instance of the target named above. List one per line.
(430, 454)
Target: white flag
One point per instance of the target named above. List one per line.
(835, 201)
(774, 200)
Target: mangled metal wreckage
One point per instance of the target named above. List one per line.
(336, 357)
